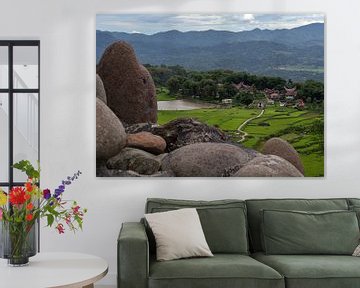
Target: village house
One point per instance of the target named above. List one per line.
(227, 101)
(260, 104)
(290, 92)
(242, 87)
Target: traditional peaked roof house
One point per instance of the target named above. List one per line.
(274, 96)
(300, 104)
(243, 87)
(290, 91)
(272, 93)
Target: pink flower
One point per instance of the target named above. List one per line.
(60, 228)
(76, 210)
(1, 214)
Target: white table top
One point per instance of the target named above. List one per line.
(46, 270)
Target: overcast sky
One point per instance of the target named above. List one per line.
(153, 23)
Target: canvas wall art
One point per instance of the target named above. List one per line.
(210, 95)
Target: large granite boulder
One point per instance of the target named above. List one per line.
(100, 90)
(110, 133)
(185, 131)
(147, 142)
(268, 166)
(281, 148)
(206, 160)
(130, 90)
(136, 160)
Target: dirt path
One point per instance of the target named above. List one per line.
(245, 134)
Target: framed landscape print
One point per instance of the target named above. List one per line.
(210, 95)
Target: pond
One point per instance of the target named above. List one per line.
(182, 105)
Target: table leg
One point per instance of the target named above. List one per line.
(89, 286)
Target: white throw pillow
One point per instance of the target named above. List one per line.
(178, 234)
(357, 251)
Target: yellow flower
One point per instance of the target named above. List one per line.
(3, 198)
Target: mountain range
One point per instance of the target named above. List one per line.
(296, 54)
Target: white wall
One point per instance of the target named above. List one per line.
(66, 29)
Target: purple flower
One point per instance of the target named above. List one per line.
(46, 194)
(58, 192)
(64, 183)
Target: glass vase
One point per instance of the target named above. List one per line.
(18, 242)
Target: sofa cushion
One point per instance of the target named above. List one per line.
(356, 209)
(297, 232)
(222, 270)
(353, 201)
(178, 234)
(255, 206)
(223, 221)
(313, 271)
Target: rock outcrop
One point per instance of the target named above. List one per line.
(100, 90)
(281, 148)
(130, 90)
(185, 131)
(136, 160)
(147, 142)
(139, 127)
(205, 160)
(105, 172)
(110, 133)
(268, 166)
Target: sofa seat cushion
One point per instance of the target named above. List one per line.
(222, 270)
(313, 271)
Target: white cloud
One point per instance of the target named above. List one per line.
(249, 17)
(153, 23)
(199, 19)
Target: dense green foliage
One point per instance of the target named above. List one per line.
(311, 91)
(162, 94)
(216, 85)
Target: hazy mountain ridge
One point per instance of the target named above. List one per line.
(268, 52)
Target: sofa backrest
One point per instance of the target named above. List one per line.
(223, 221)
(255, 206)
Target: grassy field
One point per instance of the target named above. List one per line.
(303, 129)
(162, 94)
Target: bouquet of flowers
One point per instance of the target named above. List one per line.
(23, 206)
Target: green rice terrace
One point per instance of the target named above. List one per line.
(303, 129)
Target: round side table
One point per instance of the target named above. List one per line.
(54, 270)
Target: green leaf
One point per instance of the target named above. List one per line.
(50, 219)
(26, 167)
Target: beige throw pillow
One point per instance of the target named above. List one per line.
(357, 251)
(178, 234)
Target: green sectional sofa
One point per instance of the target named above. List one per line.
(244, 238)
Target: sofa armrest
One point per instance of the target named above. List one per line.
(133, 256)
